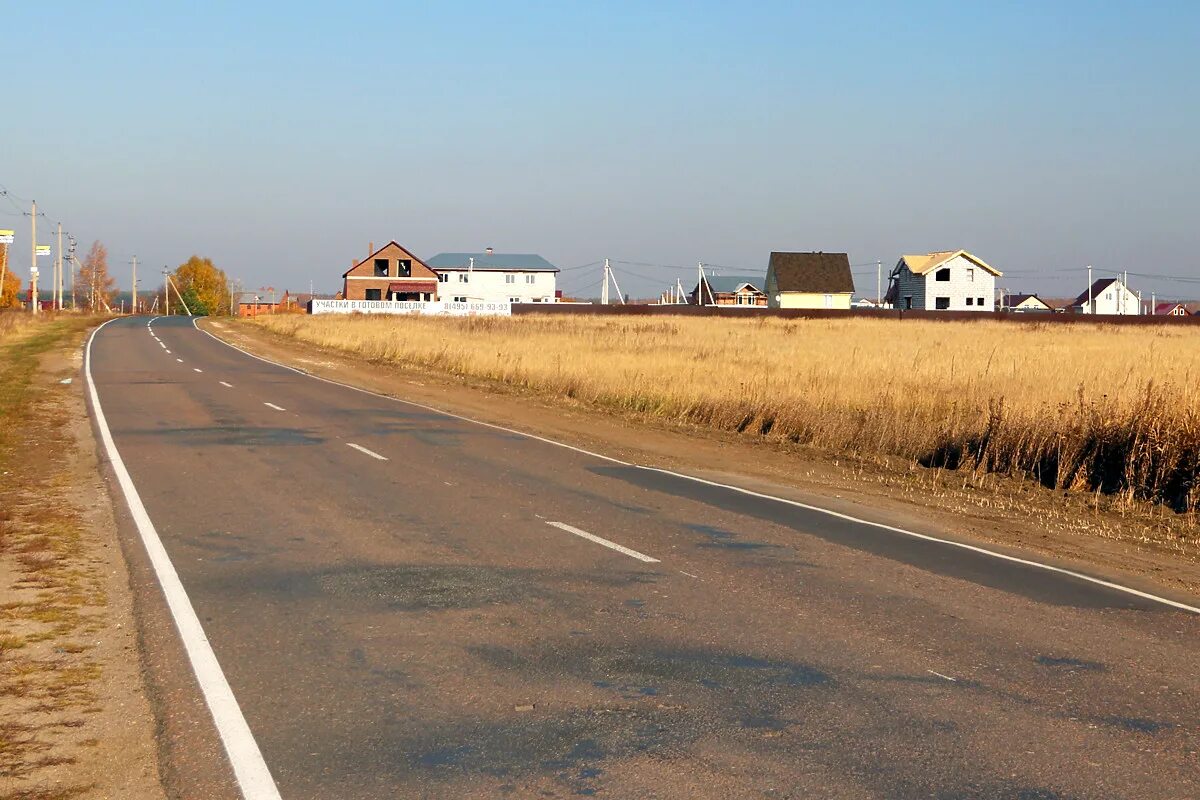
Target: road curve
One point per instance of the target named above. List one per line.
(407, 604)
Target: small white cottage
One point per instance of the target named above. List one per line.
(1108, 296)
(950, 280)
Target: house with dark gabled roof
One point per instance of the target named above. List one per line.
(1027, 304)
(730, 290)
(809, 280)
(1108, 296)
(389, 273)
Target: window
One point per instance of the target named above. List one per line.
(942, 275)
(514, 299)
(463, 277)
(510, 278)
(908, 303)
(978, 301)
(381, 268)
(829, 301)
(941, 302)
(460, 299)
(970, 274)
(530, 278)
(443, 277)
(970, 301)
(373, 294)
(404, 268)
(1108, 295)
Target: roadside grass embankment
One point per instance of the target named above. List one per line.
(53, 596)
(1107, 410)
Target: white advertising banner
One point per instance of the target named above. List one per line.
(431, 308)
(6, 237)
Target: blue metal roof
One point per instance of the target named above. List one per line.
(529, 262)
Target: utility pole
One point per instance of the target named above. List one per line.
(133, 305)
(33, 299)
(166, 294)
(879, 283)
(604, 288)
(1091, 306)
(58, 274)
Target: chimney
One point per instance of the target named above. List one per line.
(370, 248)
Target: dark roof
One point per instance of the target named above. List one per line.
(527, 262)
(728, 284)
(811, 272)
(1097, 287)
(1017, 299)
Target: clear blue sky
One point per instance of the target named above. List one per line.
(279, 138)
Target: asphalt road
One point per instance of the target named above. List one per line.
(405, 605)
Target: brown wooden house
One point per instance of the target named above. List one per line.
(390, 273)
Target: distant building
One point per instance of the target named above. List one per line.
(950, 280)
(809, 280)
(492, 277)
(1171, 310)
(1027, 303)
(389, 273)
(730, 290)
(252, 306)
(1109, 296)
(865, 302)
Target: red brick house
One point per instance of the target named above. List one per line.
(390, 273)
(1171, 310)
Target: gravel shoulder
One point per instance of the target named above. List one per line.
(75, 720)
(1018, 517)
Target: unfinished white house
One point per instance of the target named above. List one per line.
(951, 280)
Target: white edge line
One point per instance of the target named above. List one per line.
(591, 537)
(984, 551)
(940, 675)
(253, 777)
(226, 385)
(362, 449)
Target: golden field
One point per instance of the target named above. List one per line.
(1078, 407)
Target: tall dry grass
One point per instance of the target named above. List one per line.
(1097, 408)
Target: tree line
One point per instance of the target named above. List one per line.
(202, 286)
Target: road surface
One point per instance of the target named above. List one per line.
(405, 604)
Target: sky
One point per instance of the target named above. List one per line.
(279, 139)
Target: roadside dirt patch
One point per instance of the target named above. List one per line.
(74, 719)
(1016, 516)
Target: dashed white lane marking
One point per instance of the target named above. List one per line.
(226, 385)
(197, 369)
(180, 360)
(940, 675)
(748, 492)
(690, 575)
(249, 768)
(362, 449)
(272, 405)
(591, 537)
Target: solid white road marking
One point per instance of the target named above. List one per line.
(253, 776)
(611, 545)
(197, 369)
(950, 542)
(226, 385)
(940, 675)
(272, 405)
(362, 449)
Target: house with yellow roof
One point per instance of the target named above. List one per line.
(948, 280)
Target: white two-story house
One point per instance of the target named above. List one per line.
(491, 277)
(1108, 296)
(952, 280)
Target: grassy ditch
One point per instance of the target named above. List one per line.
(1100, 409)
(51, 597)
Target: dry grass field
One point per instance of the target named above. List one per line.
(1097, 408)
